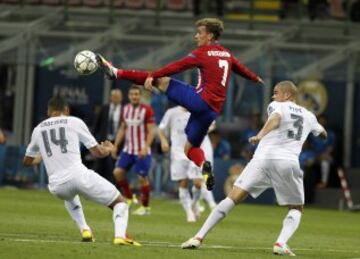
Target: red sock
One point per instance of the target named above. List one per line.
(137, 76)
(145, 195)
(196, 155)
(124, 187)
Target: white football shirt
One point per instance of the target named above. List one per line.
(57, 140)
(173, 124)
(286, 141)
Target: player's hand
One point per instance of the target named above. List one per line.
(261, 82)
(108, 144)
(254, 140)
(143, 153)
(164, 147)
(149, 83)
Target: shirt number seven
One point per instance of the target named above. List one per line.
(225, 65)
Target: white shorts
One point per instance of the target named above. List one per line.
(184, 169)
(284, 176)
(88, 184)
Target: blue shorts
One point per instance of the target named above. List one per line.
(202, 115)
(126, 161)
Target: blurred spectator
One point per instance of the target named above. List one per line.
(324, 152)
(317, 8)
(307, 159)
(197, 7)
(2, 137)
(234, 172)
(254, 126)
(106, 125)
(222, 148)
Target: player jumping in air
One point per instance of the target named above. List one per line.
(275, 164)
(205, 102)
(57, 141)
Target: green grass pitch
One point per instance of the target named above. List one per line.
(33, 224)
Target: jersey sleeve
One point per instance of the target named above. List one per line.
(191, 60)
(149, 115)
(84, 134)
(316, 126)
(242, 70)
(33, 149)
(274, 107)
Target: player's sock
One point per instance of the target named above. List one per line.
(290, 224)
(208, 196)
(124, 187)
(145, 195)
(218, 213)
(120, 218)
(137, 76)
(196, 155)
(196, 192)
(76, 212)
(325, 171)
(185, 200)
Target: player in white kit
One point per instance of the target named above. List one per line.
(57, 141)
(275, 164)
(182, 169)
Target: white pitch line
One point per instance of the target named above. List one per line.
(172, 245)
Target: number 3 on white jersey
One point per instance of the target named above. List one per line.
(225, 65)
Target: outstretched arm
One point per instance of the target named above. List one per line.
(243, 71)
(272, 123)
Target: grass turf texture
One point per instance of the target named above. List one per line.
(33, 224)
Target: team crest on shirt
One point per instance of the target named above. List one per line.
(313, 96)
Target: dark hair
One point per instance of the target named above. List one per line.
(135, 87)
(57, 103)
(212, 25)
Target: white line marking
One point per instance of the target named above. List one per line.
(170, 245)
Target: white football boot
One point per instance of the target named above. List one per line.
(279, 249)
(192, 243)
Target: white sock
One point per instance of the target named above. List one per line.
(196, 192)
(208, 196)
(120, 218)
(185, 200)
(76, 212)
(325, 171)
(218, 213)
(290, 224)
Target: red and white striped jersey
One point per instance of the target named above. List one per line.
(136, 119)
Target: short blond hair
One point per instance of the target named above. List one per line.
(212, 25)
(290, 87)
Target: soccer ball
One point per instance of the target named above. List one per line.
(85, 62)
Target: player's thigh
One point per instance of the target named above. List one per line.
(64, 191)
(197, 127)
(142, 165)
(287, 180)
(253, 178)
(96, 188)
(185, 95)
(125, 161)
(194, 172)
(179, 169)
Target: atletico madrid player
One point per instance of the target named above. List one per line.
(205, 102)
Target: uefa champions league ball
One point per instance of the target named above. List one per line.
(85, 62)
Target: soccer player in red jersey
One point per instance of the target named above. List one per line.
(205, 102)
(137, 128)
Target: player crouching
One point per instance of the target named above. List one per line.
(57, 141)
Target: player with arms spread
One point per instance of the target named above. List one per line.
(275, 164)
(57, 141)
(215, 64)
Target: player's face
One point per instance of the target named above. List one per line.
(203, 37)
(280, 95)
(134, 97)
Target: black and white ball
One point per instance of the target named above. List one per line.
(85, 62)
